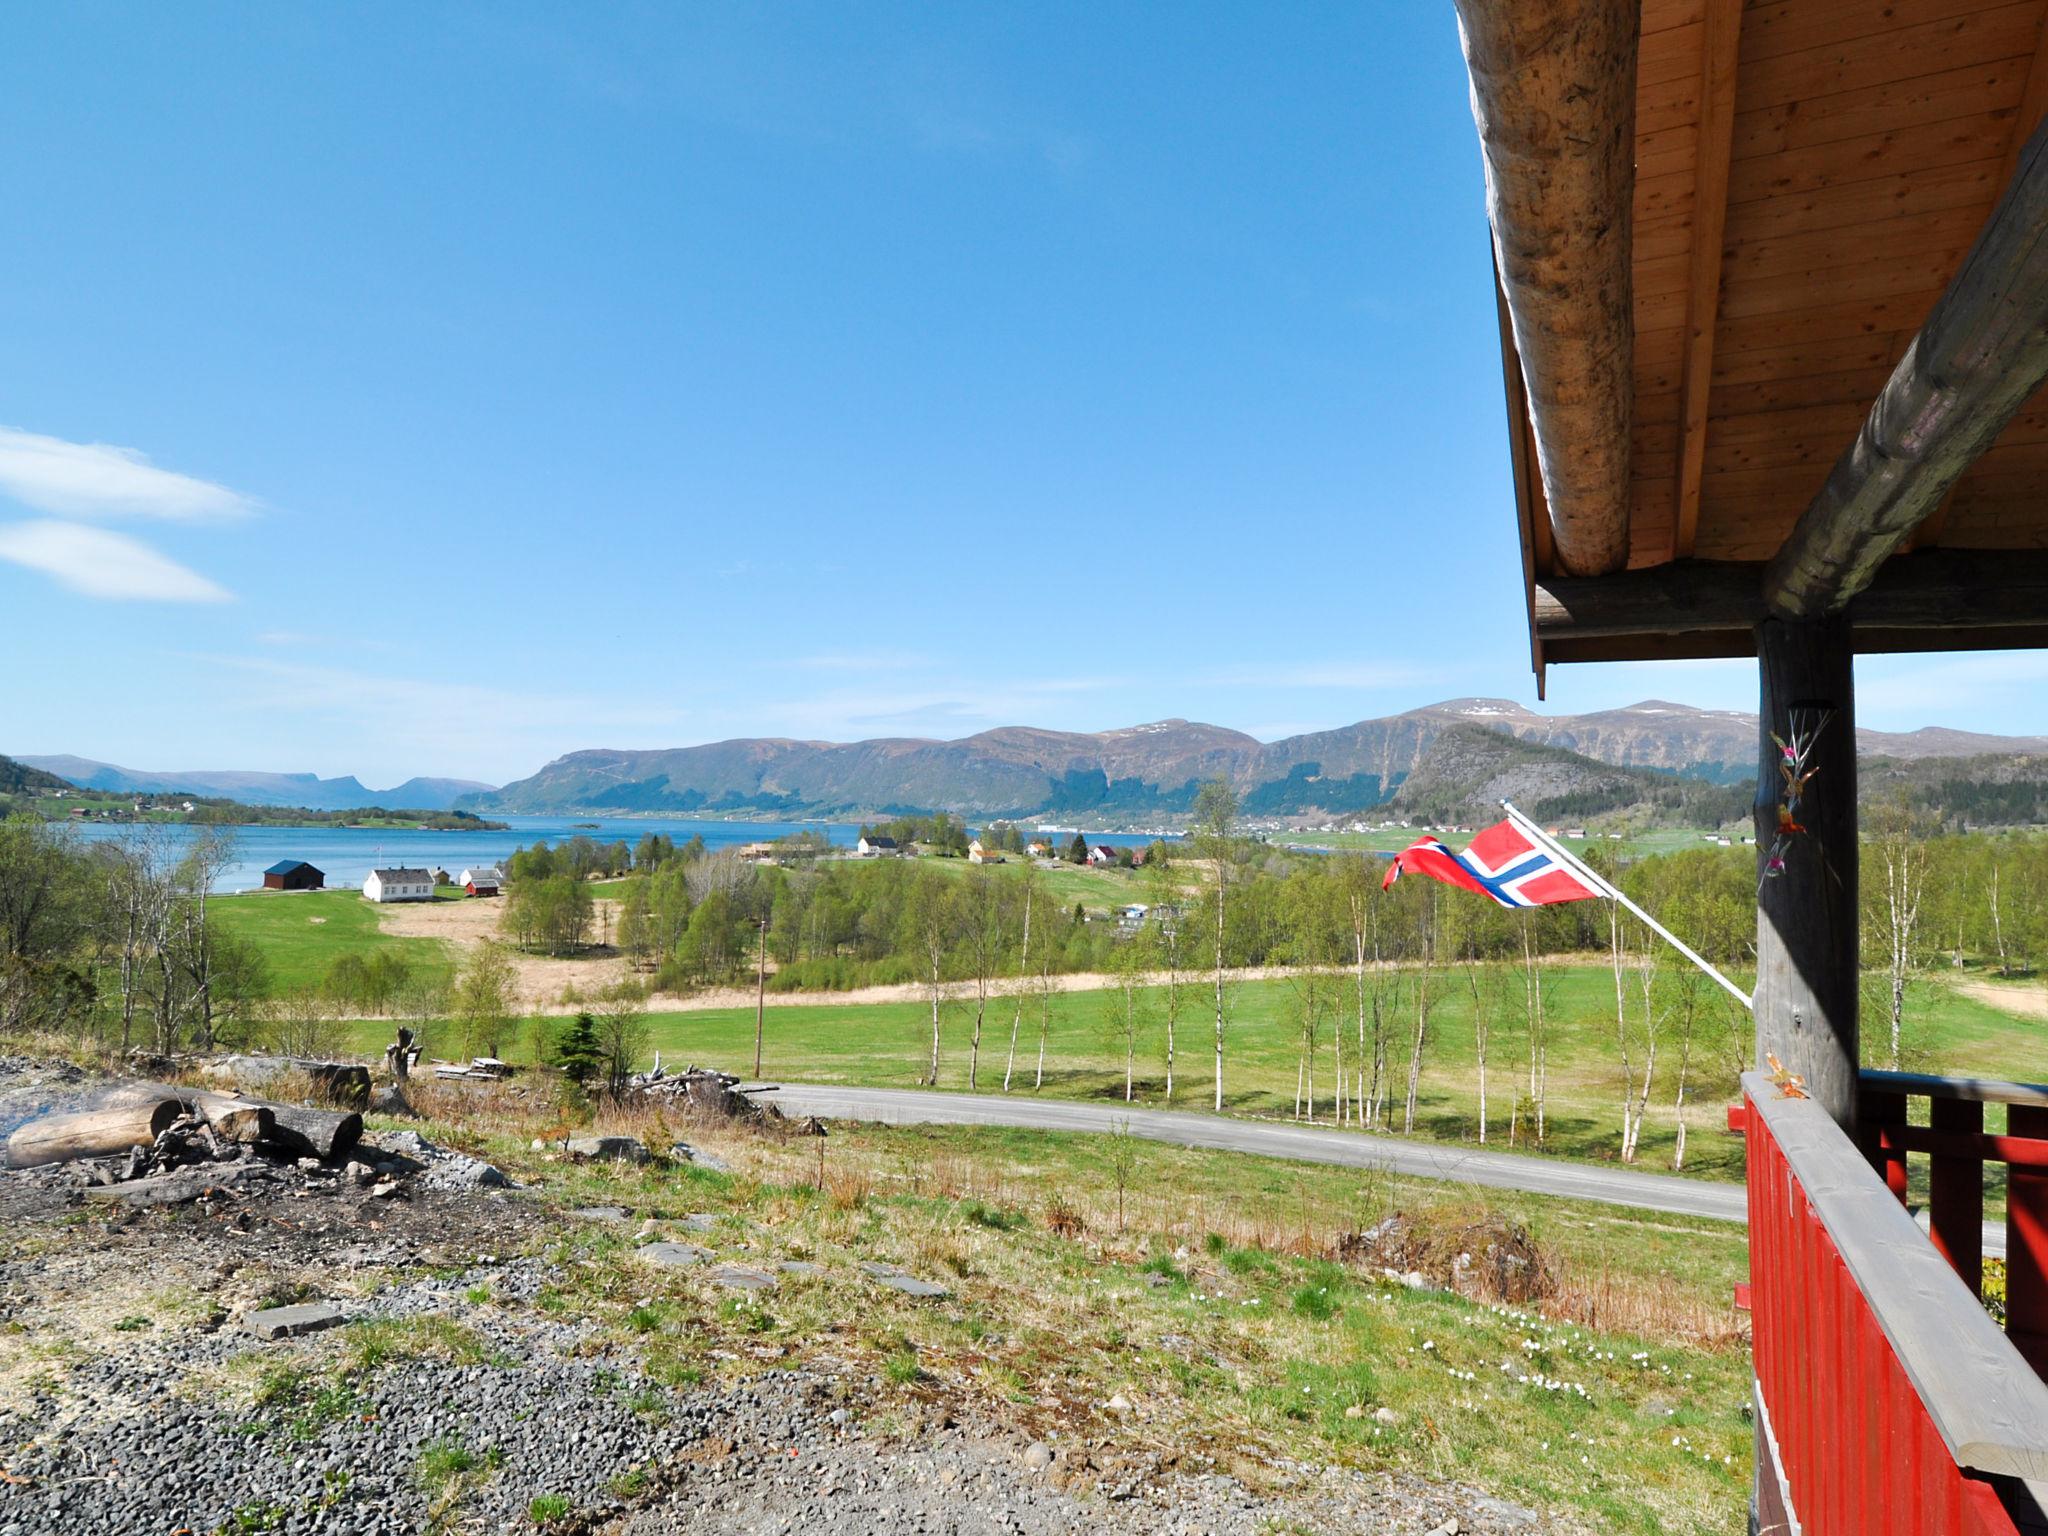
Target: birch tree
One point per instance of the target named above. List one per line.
(1215, 819)
(1537, 1023)
(1171, 945)
(1899, 841)
(981, 931)
(1030, 882)
(1426, 949)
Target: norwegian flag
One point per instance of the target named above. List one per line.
(1502, 862)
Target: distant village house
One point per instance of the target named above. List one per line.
(976, 854)
(383, 885)
(876, 847)
(293, 875)
(482, 882)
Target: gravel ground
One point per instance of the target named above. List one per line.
(125, 1406)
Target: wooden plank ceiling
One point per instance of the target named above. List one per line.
(1809, 176)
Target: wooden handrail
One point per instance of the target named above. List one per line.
(1980, 1090)
(1984, 1400)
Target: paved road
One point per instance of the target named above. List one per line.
(1301, 1143)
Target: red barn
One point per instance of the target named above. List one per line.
(293, 875)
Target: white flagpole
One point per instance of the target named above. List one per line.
(1606, 888)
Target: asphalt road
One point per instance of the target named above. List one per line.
(1300, 1143)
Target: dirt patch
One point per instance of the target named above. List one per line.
(2023, 1000)
(541, 983)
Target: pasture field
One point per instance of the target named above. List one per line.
(300, 934)
(889, 1045)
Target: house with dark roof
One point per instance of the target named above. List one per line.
(383, 885)
(293, 875)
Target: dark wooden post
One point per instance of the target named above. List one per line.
(1806, 919)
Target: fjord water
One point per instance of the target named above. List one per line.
(346, 854)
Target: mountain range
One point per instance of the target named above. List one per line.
(1154, 770)
(1433, 760)
(305, 790)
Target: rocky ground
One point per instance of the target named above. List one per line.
(458, 1394)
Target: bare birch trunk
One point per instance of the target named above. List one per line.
(1023, 983)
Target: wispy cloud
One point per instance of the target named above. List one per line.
(98, 563)
(102, 480)
(950, 707)
(859, 661)
(1976, 691)
(1326, 674)
(394, 723)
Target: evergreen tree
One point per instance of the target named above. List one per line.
(1077, 850)
(579, 1053)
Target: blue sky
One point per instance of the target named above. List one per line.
(402, 389)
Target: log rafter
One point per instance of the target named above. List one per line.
(1553, 93)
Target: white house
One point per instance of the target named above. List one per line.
(874, 847)
(1101, 853)
(976, 854)
(399, 885)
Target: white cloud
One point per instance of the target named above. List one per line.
(98, 563)
(419, 719)
(860, 661)
(102, 480)
(1326, 674)
(1995, 691)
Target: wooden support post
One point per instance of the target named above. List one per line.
(2026, 1244)
(1955, 1193)
(1806, 918)
(1881, 1121)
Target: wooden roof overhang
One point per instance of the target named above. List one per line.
(1773, 285)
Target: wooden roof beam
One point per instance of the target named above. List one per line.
(1679, 609)
(1981, 354)
(1719, 53)
(1553, 92)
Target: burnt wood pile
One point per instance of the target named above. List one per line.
(142, 1136)
(700, 1091)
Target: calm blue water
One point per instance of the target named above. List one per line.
(347, 854)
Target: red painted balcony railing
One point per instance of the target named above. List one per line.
(1888, 1401)
(1957, 1149)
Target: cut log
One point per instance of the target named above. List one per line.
(328, 1134)
(102, 1132)
(1554, 93)
(246, 1124)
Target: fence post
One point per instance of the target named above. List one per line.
(1880, 1126)
(2026, 1244)
(1955, 1193)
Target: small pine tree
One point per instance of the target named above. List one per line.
(578, 1052)
(1077, 850)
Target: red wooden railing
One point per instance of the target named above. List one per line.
(1957, 1149)
(1888, 1401)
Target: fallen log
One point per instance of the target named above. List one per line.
(186, 1184)
(328, 1134)
(102, 1132)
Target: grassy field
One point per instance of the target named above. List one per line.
(1099, 890)
(302, 933)
(1394, 839)
(889, 1044)
(1210, 1303)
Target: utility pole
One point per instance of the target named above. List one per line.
(760, 995)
